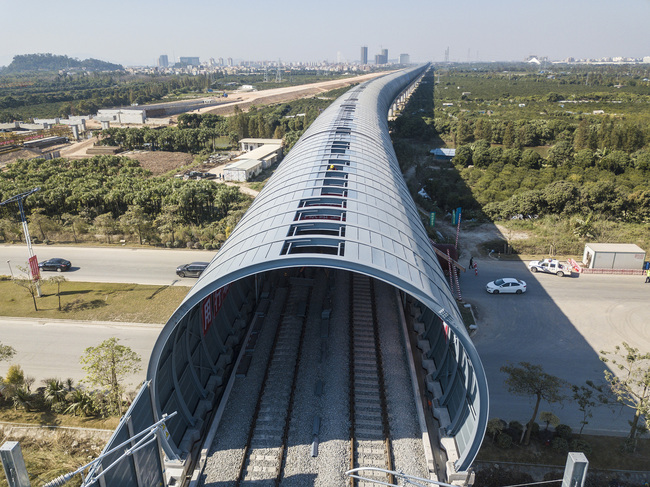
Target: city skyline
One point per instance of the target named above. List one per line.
(138, 33)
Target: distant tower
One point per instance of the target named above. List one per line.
(404, 59)
(278, 75)
(364, 55)
(229, 61)
(163, 61)
(384, 55)
(447, 54)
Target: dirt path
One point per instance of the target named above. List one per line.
(283, 95)
(78, 149)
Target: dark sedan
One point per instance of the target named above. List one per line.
(191, 270)
(58, 265)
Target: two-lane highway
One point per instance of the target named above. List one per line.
(108, 264)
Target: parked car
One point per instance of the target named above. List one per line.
(506, 285)
(191, 270)
(550, 266)
(56, 264)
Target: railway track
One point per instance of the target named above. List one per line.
(265, 451)
(370, 444)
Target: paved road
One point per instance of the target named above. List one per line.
(47, 348)
(561, 324)
(109, 264)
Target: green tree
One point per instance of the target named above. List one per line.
(108, 365)
(28, 284)
(107, 225)
(560, 154)
(54, 391)
(631, 384)
(463, 157)
(58, 280)
(584, 396)
(6, 352)
(494, 427)
(531, 159)
(549, 418)
(530, 380)
(135, 220)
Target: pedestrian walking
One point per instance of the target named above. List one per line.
(647, 276)
(471, 262)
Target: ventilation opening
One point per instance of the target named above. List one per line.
(331, 191)
(320, 214)
(335, 173)
(335, 182)
(314, 246)
(317, 228)
(334, 202)
(339, 162)
(343, 130)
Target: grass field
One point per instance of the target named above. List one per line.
(93, 301)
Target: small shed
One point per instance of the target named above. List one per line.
(613, 256)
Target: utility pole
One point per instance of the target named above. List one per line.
(33, 262)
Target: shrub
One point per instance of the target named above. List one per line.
(169, 244)
(504, 441)
(563, 431)
(495, 426)
(189, 245)
(560, 445)
(198, 245)
(535, 430)
(515, 429)
(581, 445)
(177, 243)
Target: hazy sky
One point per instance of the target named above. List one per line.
(136, 32)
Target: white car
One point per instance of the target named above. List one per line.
(506, 285)
(550, 266)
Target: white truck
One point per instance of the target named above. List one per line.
(550, 266)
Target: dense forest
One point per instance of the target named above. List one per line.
(25, 63)
(196, 133)
(538, 148)
(24, 96)
(108, 196)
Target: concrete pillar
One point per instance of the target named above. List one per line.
(75, 131)
(106, 124)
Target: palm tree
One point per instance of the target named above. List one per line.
(81, 402)
(22, 398)
(55, 391)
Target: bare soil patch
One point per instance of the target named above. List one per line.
(160, 162)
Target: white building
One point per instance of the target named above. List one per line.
(260, 156)
(242, 170)
(252, 143)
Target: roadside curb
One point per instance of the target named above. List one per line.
(57, 321)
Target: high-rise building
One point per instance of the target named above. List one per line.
(382, 58)
(230, 61)
(190, 61)
(364, 55)
(404, 59)
(163, 61)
